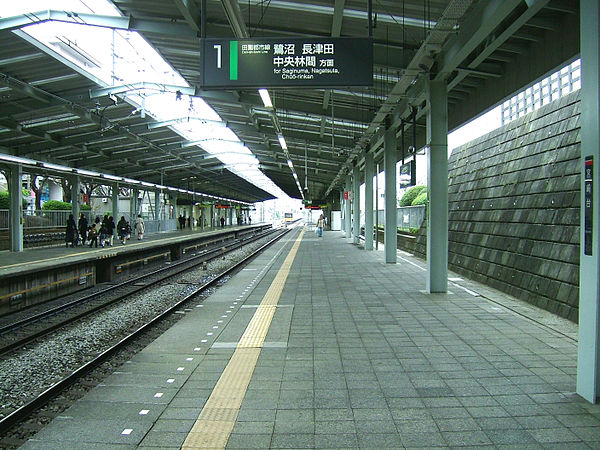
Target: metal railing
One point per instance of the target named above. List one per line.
(58, 219)
(408, 216)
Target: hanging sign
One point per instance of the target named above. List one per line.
(588, 208)
(288, 62)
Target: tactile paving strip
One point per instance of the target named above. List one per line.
(217, 419)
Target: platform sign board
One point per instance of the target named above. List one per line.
(287, 62)
(588, 210)
(407, 174)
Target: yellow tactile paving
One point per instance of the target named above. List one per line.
(217, 419)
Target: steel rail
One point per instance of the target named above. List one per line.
(179, 267)
(41, 399)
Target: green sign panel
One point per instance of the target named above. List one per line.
(287, 62)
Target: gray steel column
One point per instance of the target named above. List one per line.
(391, 212)
(156, 210)
(356, 204)
(134, 208)
(342, 212)
(588, 359)
(437, 182)
(16, 208)
(348, 210)
(75, 198)
(369, 174)
(115, 204)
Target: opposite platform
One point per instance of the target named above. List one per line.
(355, 355)
(36, 258)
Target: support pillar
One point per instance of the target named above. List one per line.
(348, 209)
(133, 209)
(342, 212)
(76, 186)
(588, 356)
(369, 174)
(175, 211)
(391, 211)
(16, 208)
(157, 217)
(115, 204)
(437, 182)
(356, 204)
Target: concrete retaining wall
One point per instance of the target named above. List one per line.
(514, 208)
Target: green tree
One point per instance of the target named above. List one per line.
(410, 195)
(5, 199)
(56, 205)
(420, 199)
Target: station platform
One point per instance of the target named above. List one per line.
(35, 258)
(319, 344)
(44, 273)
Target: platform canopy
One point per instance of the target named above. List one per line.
(103, 111)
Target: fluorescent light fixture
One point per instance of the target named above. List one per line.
(160, 186)
(266, 98)
(89, 173)
(295, 176)
(289, 161)
(130, 181)
(174, 189)
(282, 141)
(16, 159)
(111, 177)
(57, 167)
(183, 191)
(145, 183)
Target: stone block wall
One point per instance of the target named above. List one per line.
(513, 208)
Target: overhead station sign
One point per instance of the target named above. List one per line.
(288, 62)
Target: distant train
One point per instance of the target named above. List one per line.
(288, 217)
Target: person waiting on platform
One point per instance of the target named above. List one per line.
(139, 227)
(111, 230)
(222, 222)
(320, 225)
(181, 221)
(122, 229)
(82, 226)
(92, 235)
(71, 235)
(104, 232)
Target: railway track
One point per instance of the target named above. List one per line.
(29, 327)
(151, 279)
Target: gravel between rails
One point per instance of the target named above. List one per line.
(31, 370)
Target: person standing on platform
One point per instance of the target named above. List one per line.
(82, 225)
(93, 234)
(139, 227)
(122, 229)
(222, 222)
(71, 233)
(111, 230)
(103, 233)
(181, 221)
(320, 225)
(249, 220)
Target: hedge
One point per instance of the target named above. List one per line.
(410, 195)
(421, 199)
(5, 199)
(55, 205)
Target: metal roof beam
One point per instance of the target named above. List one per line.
(114, 90)
(113, 22)
(190, 12)
(234, 16)
(534, 7)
